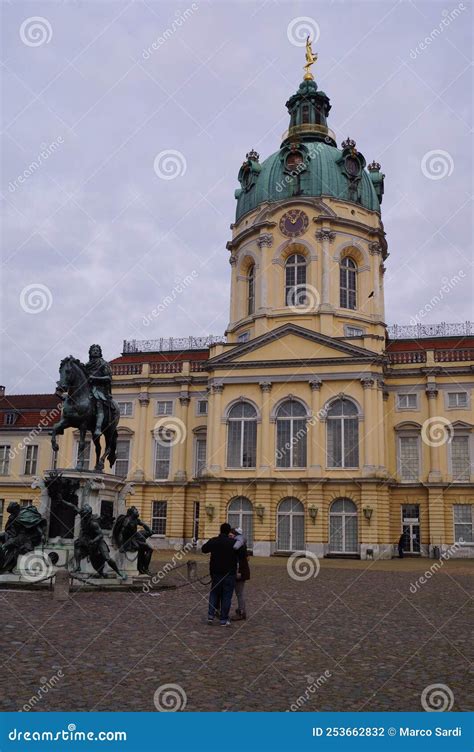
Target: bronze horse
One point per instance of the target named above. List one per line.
(79, 411)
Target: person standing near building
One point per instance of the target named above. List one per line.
(223, 569)
(243, 571)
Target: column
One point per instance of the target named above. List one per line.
(316, 433)
(431, 434)
(266, 449)
(182, 437)
(325, 236)
(233, 289)
(140, 463)
(216, 448)
(370, 418)
(264, 241)
(380, 436)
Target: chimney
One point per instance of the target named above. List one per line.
(2, 391)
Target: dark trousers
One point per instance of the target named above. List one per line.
(222, 589)
(400, 552)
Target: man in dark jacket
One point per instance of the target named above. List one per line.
(223, 568)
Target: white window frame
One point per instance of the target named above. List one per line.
(402, 408)
(457, 407)
(342, 418)
(126, 414)
(465, 542)
(5, 459)
(458, 434)
(242, 422)
(159, 517)
(167, 411)
(129, 441)
(359, 329)
(243, 337)
(200, 437)
(198, 402)
(155, 458)
(409, 435)
(10, 419)
(29, 461)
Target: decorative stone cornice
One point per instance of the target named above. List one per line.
(265, 386)
(324, 234)
(315, 383)
(184, 400)
(217, 388)
(367, 382)
(143, 399)
(233, 260)
(265, 239)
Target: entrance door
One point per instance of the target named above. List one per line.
(411, 528)
(343, 536)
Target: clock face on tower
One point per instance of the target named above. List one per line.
(294, 223)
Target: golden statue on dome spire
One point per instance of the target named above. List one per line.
(311, 58)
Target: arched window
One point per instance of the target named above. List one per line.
(290, 525)
(251, 290)
(348, 283)
(291, 435)
(240, 514)
(342, 434)
(242, 436)
(295, 280)
(343, 527)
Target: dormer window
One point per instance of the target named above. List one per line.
(10, 419)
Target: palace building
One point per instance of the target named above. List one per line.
(310, 424)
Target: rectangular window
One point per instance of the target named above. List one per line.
(31, 459)
(354, 331)
(125, 409)
(123, 457)
(164, 407)
(25, 502)
(158, 519)
(200, 456)
(87, 453)
(457, 399)
(463, 523)
(162, 459)
(460, 458)
(202, 407)
(406, 401)
(409, 457)
(4, 459)
(244, 337)
(10, 419)
(242, 443)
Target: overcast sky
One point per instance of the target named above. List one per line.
(99, 228)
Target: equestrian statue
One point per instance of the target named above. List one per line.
(86, 390)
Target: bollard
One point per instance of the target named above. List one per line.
(61, 585)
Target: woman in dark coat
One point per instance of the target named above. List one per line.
(243, 573)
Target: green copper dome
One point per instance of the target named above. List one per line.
(308, 162)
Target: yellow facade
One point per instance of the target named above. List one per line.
(407, 444)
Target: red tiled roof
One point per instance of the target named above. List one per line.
(167, 357)
(433, 343)
(33, 410)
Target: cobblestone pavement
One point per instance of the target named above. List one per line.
(356, 637)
